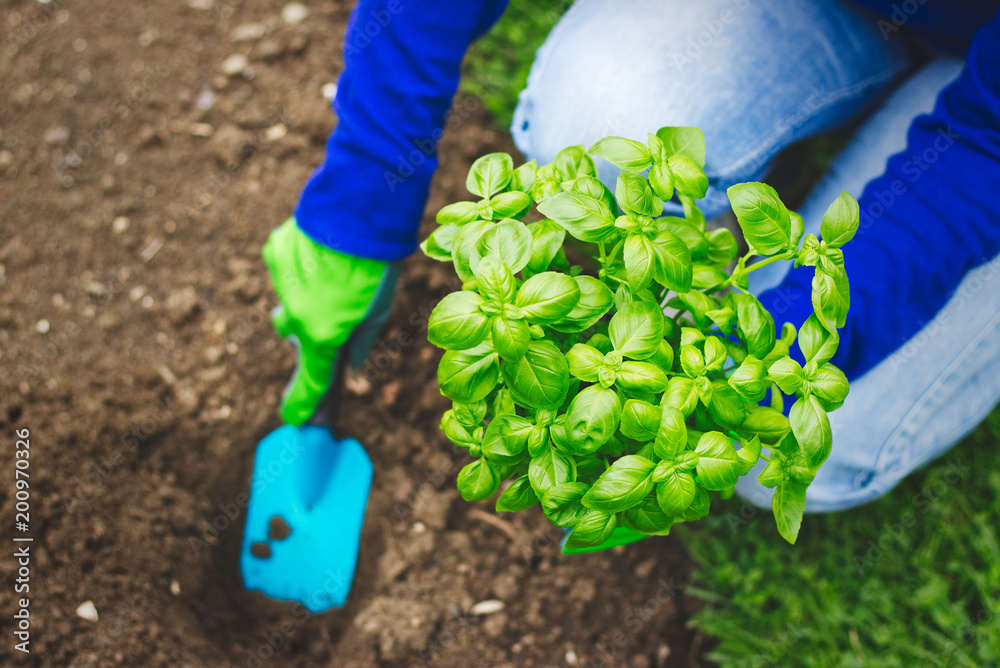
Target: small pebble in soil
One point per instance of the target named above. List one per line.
(86, 610)
(329, 91)
(205, 100)
(487, 607)
(234, 64)
(175, 587)
(279, 528)
(42, 326)
(571, 658)
(119, 224)
(294, 13)
(261, 550)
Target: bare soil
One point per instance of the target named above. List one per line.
(143, 162)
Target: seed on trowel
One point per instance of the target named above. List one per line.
(261, 550)
(279, 528)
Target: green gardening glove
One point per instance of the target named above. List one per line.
(332, 307)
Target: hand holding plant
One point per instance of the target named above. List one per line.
(623, 399)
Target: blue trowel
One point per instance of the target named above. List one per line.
(308, 494)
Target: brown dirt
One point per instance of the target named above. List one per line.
(135, 346)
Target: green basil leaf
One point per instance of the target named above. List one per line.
(506, 439)
(828, 302)
(513, 204)
(681, 394)
(763, 218)
(478, 481)
(662, 181)
(538, 440)
(636, 329)
(622, 486)
(640, 262)
(469, 375)
(648, 518)
(698, 305)
(676, 492)
(768, 424)
(623, 153)
(548, 297)
(503, 403)
(798, 227)
(458, 213)
(841, 220)
(699, 507)
(596, 299)
(584, 362)
(510, 337)
(634, 194)
(755, 325)
(548, 182)
(584, 217)
(818, 344)
(642, 377)
(593, 528)
(673, 267)
(438, 245)
(456, 323)
(640, 420)
(683, 141)
(573, 162)
(749, 379)
(518, 496)
(772, 474)
(549, 469)
(471, 415)
(463, 247)
(722, 248)
(547, 238)
(830, 387)
(561, 503)
(671, 434)
(811, 427)
(523, 178)
(495, 280)
(456, 432)
(509, 241)
(749, 453)
(787, 374)
(489, 174)
(718, 464)
(589, 185)
(715, 353)
(689, 177)
(706, 277)
(539, 379)
(726, 406)
(692, 361)
(789, 504)
(592, 419)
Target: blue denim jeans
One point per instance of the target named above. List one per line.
(756, 77)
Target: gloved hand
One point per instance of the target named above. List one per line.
(332, 307)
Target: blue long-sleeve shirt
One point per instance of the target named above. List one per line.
(402, 66)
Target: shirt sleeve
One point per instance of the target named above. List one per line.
(930, 218)
(402, 63)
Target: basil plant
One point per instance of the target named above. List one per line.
(622, 396)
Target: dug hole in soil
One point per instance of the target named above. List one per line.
(145, 154)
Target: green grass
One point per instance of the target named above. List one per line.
(928, 596)
(496, 67)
